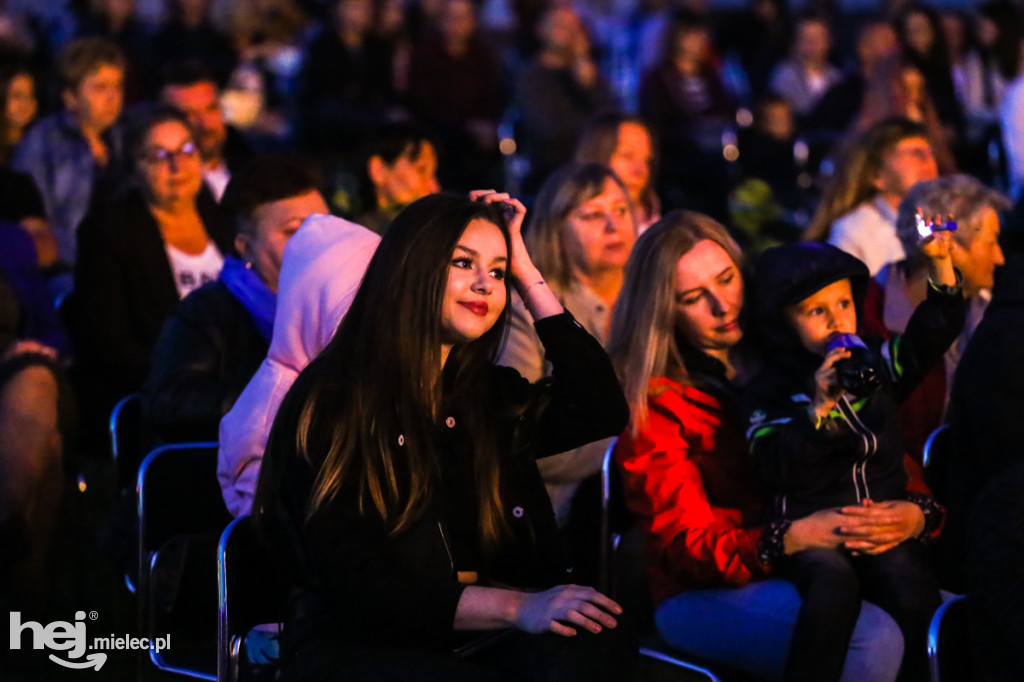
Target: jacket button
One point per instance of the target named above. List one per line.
(517, 512)
(450, 422)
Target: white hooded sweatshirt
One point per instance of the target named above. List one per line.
(321, 270)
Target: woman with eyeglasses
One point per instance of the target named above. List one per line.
(140, 252)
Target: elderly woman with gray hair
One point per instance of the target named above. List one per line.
(976, 254)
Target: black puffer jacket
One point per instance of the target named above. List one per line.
(207, 352)
(857, 451)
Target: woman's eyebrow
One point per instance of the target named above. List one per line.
(474, 254)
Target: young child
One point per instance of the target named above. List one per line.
(819, 445)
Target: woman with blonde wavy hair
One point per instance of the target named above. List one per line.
(690, 483)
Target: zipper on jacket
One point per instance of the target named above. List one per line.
(870, 446)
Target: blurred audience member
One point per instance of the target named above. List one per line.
(66, 153)
(19, 106)
(763, 37)
(987, 71)
(115, 20)
(766, 148)
(189, 36)
(804, 78)
(20, 200)
(836, 110)
(857, 212)
(192, 91)
(455, 88)
(898, 89)
(400, 163)
(924, 47)
(140, 254)
(976, 253)
(218, 335)
(33, 422)
(688, 107)
(623, 143)
(557, 92)
(346, 83)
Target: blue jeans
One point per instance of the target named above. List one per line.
(749, 628)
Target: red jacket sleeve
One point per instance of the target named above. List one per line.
(694, 542)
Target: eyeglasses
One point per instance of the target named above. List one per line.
(162, 156)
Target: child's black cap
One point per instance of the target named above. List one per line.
(788, 274)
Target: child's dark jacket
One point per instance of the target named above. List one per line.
(856, 452)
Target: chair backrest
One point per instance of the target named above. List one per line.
(181, 515)
(609, 539)
(178, 494)
(934, 459)
(949, 649)
(252, 589)
(126, 438)
(651, 647)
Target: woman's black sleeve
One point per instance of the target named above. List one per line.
(582, 401)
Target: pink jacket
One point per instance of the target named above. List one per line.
(322, 267)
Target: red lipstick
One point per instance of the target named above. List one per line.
(476, 307)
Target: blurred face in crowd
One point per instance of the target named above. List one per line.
(824, 314)
(562, 31)
(263, 240)
(631, 159)
(407, 179)
(813, 42)
(877, 43)
(475, 295)
(458, 20)
(355, 15)
(909, 162)
(599, 233)
(955, 32)
(709, 298)
(987, 32)
(21, 101)
(776, 120)
(918, 32)
(200, 102)
(692, 46)
(170, 164)
(96, 102)
(976, 252)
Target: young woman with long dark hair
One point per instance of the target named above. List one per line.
(399, 478)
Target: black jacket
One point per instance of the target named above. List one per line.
(402, 590)
(124, 288)
(207, 352)
(985, 409)
(857, 451)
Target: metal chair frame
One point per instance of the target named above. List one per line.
(147, 558)
(606, 571)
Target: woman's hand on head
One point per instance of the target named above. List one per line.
(526, 278)
(559, 609)
(876, 527)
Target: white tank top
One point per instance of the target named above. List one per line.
(193, 271)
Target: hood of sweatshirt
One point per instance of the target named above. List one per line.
(321, 270)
